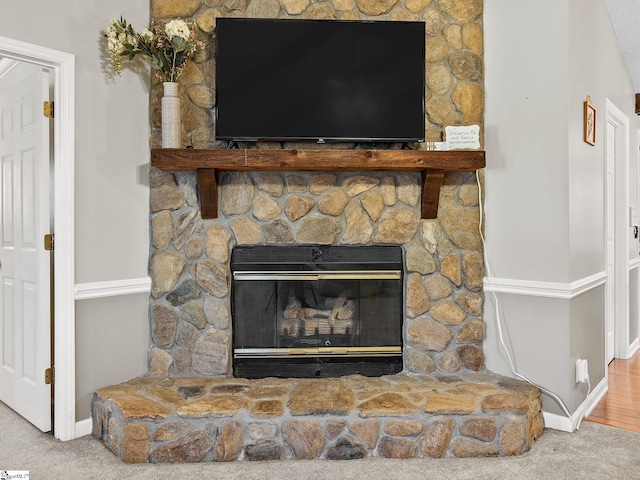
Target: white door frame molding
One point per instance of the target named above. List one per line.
(63, 67)
(620, 121)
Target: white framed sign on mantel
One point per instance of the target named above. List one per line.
(462, 137)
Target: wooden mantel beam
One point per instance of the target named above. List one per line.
(208, 192)
(432, 164)
(431, 183)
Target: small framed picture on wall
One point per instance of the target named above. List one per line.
(589, 122)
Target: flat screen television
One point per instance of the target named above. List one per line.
(320, 80)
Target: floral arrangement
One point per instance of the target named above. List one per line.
(167, 44)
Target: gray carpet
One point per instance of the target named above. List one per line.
(595, 452)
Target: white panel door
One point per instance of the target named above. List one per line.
(25, 298)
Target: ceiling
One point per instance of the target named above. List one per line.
(625, 16)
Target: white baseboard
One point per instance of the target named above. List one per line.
(558, 422)
(86, 291)
(633, 348)
(565, 424)
(84, 427)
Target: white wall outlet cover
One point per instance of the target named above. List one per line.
(582, 370)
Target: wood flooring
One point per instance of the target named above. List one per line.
(620, 407)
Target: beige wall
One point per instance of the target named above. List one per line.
(105, 353)
(111, 191)
(545, 185)
(112, 132)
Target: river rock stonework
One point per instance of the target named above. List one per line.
(191, 287)
(195, 419)
(445, 403)
(454, 55)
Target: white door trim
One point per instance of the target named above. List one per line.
(617, 118)
(63, 66)
(610, 138)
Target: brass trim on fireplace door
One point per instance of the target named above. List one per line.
(321, 351)
(313, 276)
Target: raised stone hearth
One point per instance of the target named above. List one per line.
(194, 419)
(190, 408)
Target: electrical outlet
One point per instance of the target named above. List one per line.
(582, 371)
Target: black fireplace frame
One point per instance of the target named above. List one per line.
(376, 261)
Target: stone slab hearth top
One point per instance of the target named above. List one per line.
(192, 419)
(393, 395)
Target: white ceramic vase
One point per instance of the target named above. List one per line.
(171, 121)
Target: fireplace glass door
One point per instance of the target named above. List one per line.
(317, 320)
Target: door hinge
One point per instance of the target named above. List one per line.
(49, 375)
(47, 109)
(49, 241)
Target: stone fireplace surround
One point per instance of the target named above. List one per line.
(445, 403)
(189, 407)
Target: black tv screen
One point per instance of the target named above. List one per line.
(320, 80)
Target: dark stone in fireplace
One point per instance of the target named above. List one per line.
(347, 449)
